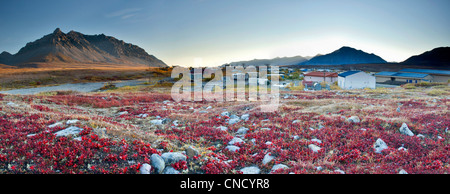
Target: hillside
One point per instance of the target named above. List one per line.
(344, 55)
(75, 47)
(275, 61)
(436, 57)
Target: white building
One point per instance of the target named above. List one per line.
(356, 80)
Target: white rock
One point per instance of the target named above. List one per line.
(316, 140)
(55, 124)
(157, 162)
(354, 119)
(379, 146)
(267, 158)
(268, 143)
(339, 171)
(233, 121)
(69, 122)
(402, 172)
(222, 128)
(242, 130)
(266, 129)
(170, 170)
(405, 130)
(122, 113)
(145, 168)
(225, 114)
(296, 137)
(314, 148)
(250, 170)
(209, 107)
(245, 117)
(232, 148)
(235, 140)
(69, 131)
(319, 168)
(402, 149)
(420, 135)
(12, 104)
(173, 157)
(296, 121)
(278, 166)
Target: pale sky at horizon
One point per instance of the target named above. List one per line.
(180, 32)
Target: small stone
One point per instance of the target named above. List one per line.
(69, 131)
(242, 130)
(145, 168)
(55, 124)
(314, 148)
(173, 157)
(405, 130)
(235, 141)
(379, 146)
(316, 140)
(69, 122)
(268, 143)
(232, 148)
(267, 158)
(245, 117)
(402, 172)
(233, 121)
(250, 170)
(296, 121)
(191, 152)
(278, 166)
(225, 114)
(354, 119)
(222, 128)
(339, 171)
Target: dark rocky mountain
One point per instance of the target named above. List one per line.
(437, 57)
(274, 61)
(343, 56)
(75, 47)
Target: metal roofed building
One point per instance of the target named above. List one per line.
(356, 80)
(437, 75)
(398, 78)
(320, 77)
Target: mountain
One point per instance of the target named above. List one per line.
(274, 61)
(437, 57)
(344, 55)
(75, 47)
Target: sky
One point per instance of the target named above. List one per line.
(215, 32)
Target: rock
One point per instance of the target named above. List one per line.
(354, 119)
(142, 115)
(191, 152)
(402, 149)
(296, 137)
(316, 140)
(209, 107)
(222, 128)
(69, 131)
(250, 170)
(339, 171)
(245, 117)
(122, 113)
(175, 123)
(319, 168)
(235, 141)
(420, 135)
(398, 109)
(31, 135)
(159, 121)
(157, 162)
(145, 168)
(170, 170)
(268, 143)
(55, 124)
(278, 166)
(232, 148)
(69, 122)
(225, 114)
(296, 121)
(314, 148)
(173, 157)
(233, 121)
(266, 129)
(12, 104)
(203, 111)
(402, 172)
(267, 158)
(379, 146)
(405, 130)
(242, 130)
(234, 117)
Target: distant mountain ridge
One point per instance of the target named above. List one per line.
(344, 55)
(75, 47)
(437, 57)
(275, 61)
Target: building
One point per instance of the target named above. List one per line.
(317, 76)
(356, 80)
(436, 75)
(398, 78)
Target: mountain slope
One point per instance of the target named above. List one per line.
(344, 55)
(75, 47)
(437, 57)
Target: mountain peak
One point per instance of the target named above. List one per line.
(57, 31)
(345, 55)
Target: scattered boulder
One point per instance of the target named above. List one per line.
(69, 131)
(339, 171)
(402, 172)
(69, 122)
(405, 130)
(278, 166)
(232, 148)
(222, 128)
(267, 158)
(145, 168)
(191, 151)
(233, 121)
(225, 114)
(379, 146)
(316, 140)
(314, 148)
(173, 157)
(245, 117)
(159, 121)
(250, 170)
(157, 162)
(55, 124)
(235, 141)
(170, 170)
(354, 119)
(296, 121)
(242, 130)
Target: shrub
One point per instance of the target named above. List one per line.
(437, 92)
